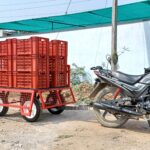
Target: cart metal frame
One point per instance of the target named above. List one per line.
(34, 93)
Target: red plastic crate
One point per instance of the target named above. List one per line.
(58, 64)
(6, 79)
(25, 63)
(5, 55)
(31, 72)
(31, 63)
(33, 80)
(31, 46)
(59, 79)
(58, 48)
(6, 47)
(5, 63)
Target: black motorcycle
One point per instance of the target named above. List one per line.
(120, 97)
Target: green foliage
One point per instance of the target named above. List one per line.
(79, 75)
(82, 92)
(81, 83)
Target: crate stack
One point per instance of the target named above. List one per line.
(30, 63)
(34, 63)
(59, 70)
(5, 63)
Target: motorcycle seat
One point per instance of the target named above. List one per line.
(129, 79)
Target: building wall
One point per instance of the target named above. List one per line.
(90, 47)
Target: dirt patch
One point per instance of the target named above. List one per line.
(70, 131)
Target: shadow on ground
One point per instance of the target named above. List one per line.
(140, 126)
(78, 115)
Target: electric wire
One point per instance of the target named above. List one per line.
(45, 14)
(96, 54)
(100, 37)
(106, 3)
(37, 15)
(68, 6)
(57, 34)
(26, 3)
(44, 6)
(48, 14)
(66, 14)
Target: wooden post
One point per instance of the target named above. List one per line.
(114, 56)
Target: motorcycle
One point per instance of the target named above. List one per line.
(120, 97)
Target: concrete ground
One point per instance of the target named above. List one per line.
(72, 130)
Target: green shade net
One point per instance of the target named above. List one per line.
(134, 12)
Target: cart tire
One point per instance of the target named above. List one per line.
(3, 109)
(36, 110)
(56, 110)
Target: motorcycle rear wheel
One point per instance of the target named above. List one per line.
(112, 121)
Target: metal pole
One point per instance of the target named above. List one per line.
(114, 56)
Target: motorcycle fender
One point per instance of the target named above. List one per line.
(98, 87)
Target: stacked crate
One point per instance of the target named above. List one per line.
(58, 63)
(34, 63)
(5, 63)
(30, 63)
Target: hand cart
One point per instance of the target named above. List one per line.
(32, 101)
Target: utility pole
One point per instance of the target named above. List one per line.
(114, 56)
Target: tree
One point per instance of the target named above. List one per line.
(79, 75)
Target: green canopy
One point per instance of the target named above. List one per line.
(134, 12)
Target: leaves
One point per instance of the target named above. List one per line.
(79, 75)
(81, 83)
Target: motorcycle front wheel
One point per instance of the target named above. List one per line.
(105, 118)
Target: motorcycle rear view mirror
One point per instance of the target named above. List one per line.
(97, 68)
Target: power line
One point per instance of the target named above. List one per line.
(44, 6)
(68, 6)
(106, 3)
(100, 37)
(46, 14)
(36, 16)
(57, 35)
(66, 14)
(33, 2)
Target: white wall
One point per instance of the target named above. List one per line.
(90, 47)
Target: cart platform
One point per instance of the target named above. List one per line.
(31, 101)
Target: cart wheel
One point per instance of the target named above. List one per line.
(3, 110)
(36, 110)
(56, 110)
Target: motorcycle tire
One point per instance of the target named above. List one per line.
(100, 117)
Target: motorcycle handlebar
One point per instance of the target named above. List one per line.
(104, 71)
(97, 68)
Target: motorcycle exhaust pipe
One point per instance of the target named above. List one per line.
(115, 109)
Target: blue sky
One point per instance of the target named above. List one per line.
(12, 10)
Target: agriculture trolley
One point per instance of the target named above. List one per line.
(32, 101)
